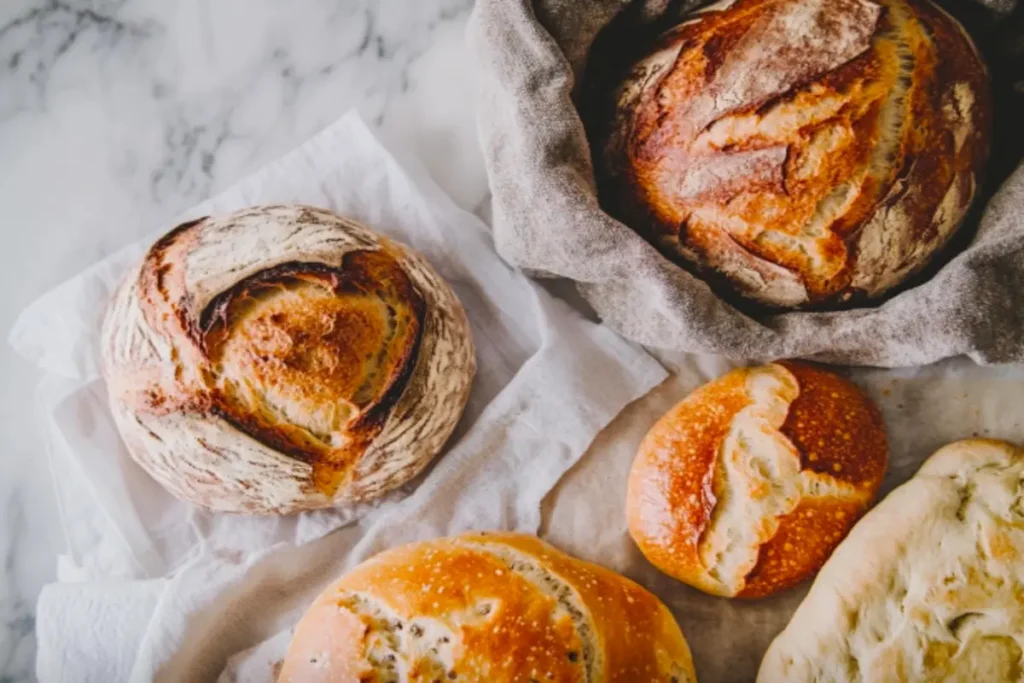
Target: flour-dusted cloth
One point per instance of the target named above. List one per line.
(532, 56)
(153, 589)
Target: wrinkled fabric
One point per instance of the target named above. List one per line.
(153, 589)
(531, 59)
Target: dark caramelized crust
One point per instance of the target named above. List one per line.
(746, 486)
(321, 351)
(802, 151)
(833, 425)
(307, 357)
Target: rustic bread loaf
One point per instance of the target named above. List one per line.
(500, 607)
(746, 486)
(927, 587)
(801, 152)
(284, 358)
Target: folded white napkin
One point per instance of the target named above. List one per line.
(153, 589)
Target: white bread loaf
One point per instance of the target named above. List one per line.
(928, 586)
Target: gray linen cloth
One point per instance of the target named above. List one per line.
(531, 57)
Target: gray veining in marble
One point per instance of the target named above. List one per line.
(117, 114)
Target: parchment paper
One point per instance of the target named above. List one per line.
(924, 409)
(150, 591)
(153, 589)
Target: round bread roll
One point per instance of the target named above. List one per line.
(501, 608)
(927, 587)
(745, 487)
(284, 358)
(801, 152)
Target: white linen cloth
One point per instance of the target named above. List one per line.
(151, 588)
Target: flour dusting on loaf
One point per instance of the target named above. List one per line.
(801, 152)
(284, 358)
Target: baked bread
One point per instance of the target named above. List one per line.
(500, 608)
(746, 486)
(801, 152)
(927, 587)
(284, 358)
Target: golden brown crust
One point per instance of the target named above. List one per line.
(834, 426)
(803, 541)
(802, 152)
(288, 339)
(495, 607)
(745, 486)
(674, 471)
(354, 340)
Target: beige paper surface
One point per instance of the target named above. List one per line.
(923, 408)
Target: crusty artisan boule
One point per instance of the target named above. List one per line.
(929, 586)
(801, 152)
(284, 358)
(495, 607)
(746, 486)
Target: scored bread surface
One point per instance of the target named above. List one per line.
(802, 151)
(486, 607)
(283, 358)
(929, 586)
(745, 486)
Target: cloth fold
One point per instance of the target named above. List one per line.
(532, 56)
(151, 588)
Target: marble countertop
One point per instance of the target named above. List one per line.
(115, 115)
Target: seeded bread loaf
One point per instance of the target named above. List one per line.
(745, 487)
(801, 152)
(498, 607)
(284, 358)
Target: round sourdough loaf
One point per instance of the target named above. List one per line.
(501, 608)
(746, 486)
(929, 586)
(284, 358)
(801, 152)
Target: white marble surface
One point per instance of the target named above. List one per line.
(117, 114)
